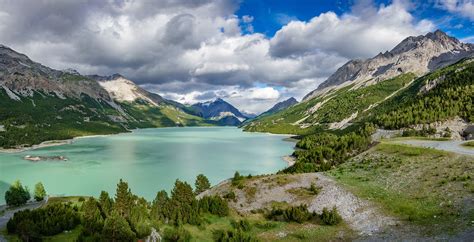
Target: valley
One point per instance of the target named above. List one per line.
(382, 153)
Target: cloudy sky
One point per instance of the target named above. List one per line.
(252, 53)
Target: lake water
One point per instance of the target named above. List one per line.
(149, 160)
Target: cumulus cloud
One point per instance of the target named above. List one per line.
(195, 50)
(463, 7)
(364, 32)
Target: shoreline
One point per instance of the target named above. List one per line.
(52, 143)
(49, 143)
(290, 160)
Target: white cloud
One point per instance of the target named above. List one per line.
(196, 50)
(247, 19)
(463, 7)
(352, 35)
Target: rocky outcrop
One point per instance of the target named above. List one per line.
(22, 76)
(416, 54)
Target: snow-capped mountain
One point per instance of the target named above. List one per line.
(221, 111)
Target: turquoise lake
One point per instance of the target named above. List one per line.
(148, 159)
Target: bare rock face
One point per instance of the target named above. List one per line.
(124, 90)
(22, 76)
(418, 55)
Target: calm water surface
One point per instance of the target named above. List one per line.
(149, 159)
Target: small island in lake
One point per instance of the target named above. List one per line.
(45, 158)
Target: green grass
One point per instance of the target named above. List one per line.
(422, 186)
(65, 236)
(74, 200)
(469, 144)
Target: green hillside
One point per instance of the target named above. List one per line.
(451, 95)
(43, 117)
(335, 106)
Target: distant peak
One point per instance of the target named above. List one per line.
(116, 76)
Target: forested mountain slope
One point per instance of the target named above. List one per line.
(338, 104)
(39, 103)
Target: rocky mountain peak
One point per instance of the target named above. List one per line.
(415, 54)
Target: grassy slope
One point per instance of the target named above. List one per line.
(339, 105)
(427, 187)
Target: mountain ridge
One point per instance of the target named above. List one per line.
(415, 54)
(220, 111)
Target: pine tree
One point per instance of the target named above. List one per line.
(160, 207)
(202, 183)
(105, 202)
(40, 193)
(92, 220)
(123, 199)
(117, 229)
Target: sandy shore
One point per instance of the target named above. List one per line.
(291, 160)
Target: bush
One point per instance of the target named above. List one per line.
(51, 220)
(243, 225)
(297, 214)
(230, 196)
(214, 205)
(40, 193)
(314, 189)
(232, 236)
(237, 179)
(331, 217)
(176, 234)
(17, 194)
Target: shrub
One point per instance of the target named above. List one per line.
(176, 234)
(232, 236)
(214, 205)
(237, 179)
(230, 196)
(40, 193)
(297, 214)
(51, 220)
(331, 217)
(243, 225)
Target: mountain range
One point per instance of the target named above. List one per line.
(40, 103)
(366, 90)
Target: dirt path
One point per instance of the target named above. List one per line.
(362, 216)
(450, 145)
